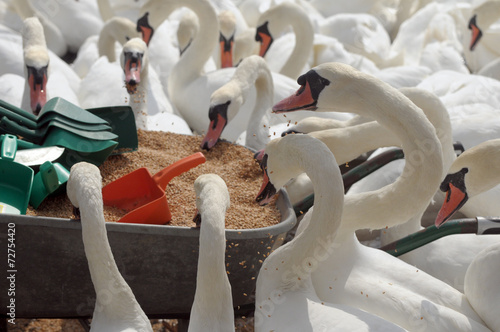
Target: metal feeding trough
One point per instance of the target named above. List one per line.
(158, 262)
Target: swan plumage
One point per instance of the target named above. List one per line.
(118, 311)
(286, 300)
(330, 87)
(212, 308)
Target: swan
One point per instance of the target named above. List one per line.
(352, 275)
(225, 104)
(212, 308)
(186, 79)
(473, 172)
(116, 308)
(39, 76)
(285, 301)
(151, 107)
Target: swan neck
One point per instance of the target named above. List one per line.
(421, 175)
(258, 124)
(304, 38)
(105, 10)
(292, 264)
(190, 65)
(111, 289)
(213, 297)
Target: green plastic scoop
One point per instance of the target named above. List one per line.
(50, 179)
(15, 179)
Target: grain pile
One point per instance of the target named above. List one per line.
(157, 150)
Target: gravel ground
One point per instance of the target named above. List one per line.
(73, 325)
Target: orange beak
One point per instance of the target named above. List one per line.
(455, 199)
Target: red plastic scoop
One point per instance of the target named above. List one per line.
(143, 195)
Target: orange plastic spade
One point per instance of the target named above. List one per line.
(143, 195)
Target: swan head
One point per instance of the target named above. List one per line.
(227, 26)
(134, 61)
(475, 31)
(209, 186)
(333, 86)
(279, 166)
(225, 103)
(471, 174)
(84, 181)
(144, 27)
(36, 60)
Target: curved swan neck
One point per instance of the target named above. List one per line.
(253, 71)
(303, 30)
(290, 265)
(361, 138)
(112, 291)
(190, 65)
(424, 162)
(116, 29)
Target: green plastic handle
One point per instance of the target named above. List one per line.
(9, 147)
(15, 128)
(18, 118)
(19, 111)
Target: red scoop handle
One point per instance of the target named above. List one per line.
(163, 177)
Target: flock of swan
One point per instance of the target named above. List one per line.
(310, 85)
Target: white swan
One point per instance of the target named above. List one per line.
(212, 308)
(352, 274)
(186, 79)
(287, 300)
(225, 104)
(26, 62)
(116, 308)
(473, 172)
(151, 107)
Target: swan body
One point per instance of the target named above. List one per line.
(287, 300)
(342, 276)
(212, 308)
(146, 94)
(120, 311)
